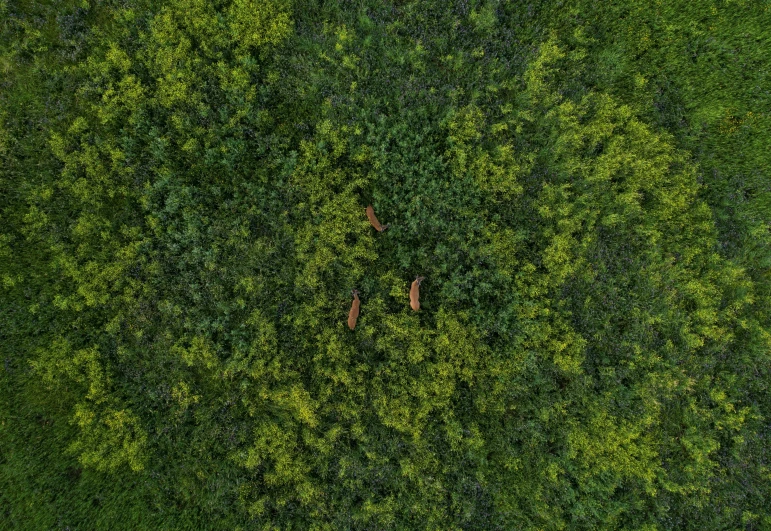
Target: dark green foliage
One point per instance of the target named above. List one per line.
(584, 188)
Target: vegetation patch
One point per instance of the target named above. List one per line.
(582, 188)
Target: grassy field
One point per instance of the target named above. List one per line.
(584, 187)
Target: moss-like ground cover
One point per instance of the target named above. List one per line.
(584, 186)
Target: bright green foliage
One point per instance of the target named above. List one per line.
(583, 186)
(258, 24)
(109, 439)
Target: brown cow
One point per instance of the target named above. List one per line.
(354, 313)
(373, 220)
(415, 294)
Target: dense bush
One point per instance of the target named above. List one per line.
(183, 190)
